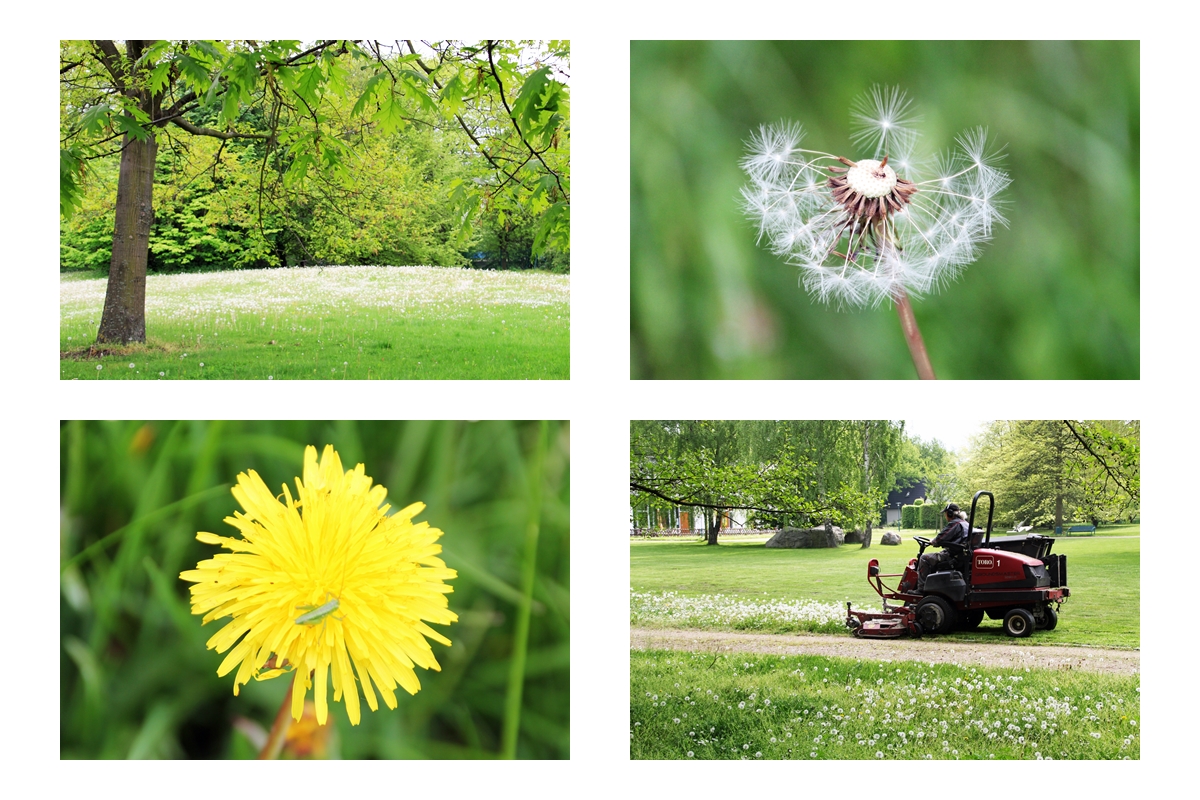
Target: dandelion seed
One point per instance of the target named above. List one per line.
(336, 539)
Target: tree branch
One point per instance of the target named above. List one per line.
(503, 99)
(683, 501)
(509, 176)
(1112, 473)
(110, 58)
(213, 132)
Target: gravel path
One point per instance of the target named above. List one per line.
(1091, 659)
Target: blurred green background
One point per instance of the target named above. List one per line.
(1055, 295)
(136, 679)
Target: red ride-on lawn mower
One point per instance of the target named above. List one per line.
(1014, 578)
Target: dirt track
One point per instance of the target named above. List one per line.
(1090, 659)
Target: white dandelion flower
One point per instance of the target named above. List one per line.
(879, 229)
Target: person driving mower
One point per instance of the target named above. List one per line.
(955, 532)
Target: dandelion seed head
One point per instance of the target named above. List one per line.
(876, 228)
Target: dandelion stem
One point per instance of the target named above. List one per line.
(283, 721)
(516, 672)
(912, 334)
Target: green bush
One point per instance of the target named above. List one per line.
(921, 516)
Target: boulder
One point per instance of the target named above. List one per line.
(891, 537)
(855, 537)
(804, 537)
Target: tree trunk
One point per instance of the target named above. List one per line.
(867, 478)
(124, 317)
(714, 527)
(830, 536)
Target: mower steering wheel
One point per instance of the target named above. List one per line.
(921, 540)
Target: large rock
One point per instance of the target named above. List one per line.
(891, 537)
(854, 537)
(805, 537)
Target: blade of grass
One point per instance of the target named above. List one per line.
(154, 516)
(516, 674)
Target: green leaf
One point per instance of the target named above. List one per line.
(309, 84)
(95, 120)
(299, 169)
(70, 192)
(390, 115)
(159, 76)
(555, 228)
(417, 86)
(194, 73)
(367, 94)
(527, 108)
(130, 126)
(453, 92)
(229, 107)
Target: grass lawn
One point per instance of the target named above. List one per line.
(749, 706)
(741, 584)
(341, 323)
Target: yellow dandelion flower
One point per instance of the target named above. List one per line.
(326, 583)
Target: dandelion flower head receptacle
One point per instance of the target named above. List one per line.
(883, 225)
(325, 583)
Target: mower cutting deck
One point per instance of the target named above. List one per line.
(1015, 579)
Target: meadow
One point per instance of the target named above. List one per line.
(337, 323)
(741, 585)
(749, 706)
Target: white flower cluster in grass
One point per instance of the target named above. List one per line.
(721, 611)
(935, 236)
(915, 712)
(448, 292)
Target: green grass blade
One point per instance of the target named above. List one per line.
(157, 515)
(516, 675)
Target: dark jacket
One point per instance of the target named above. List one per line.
(954, 533)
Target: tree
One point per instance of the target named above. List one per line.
(939, 472)
(787, 472)
(884, 450)
(283, 94)
(1049, 471)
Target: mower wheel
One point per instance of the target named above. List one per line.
(1051, 620)
(935, 615)
(971, 619)
(1018, 622)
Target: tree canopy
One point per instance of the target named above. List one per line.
(1045, 472)
(782, 472)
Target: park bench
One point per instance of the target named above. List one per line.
(1091, 529)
